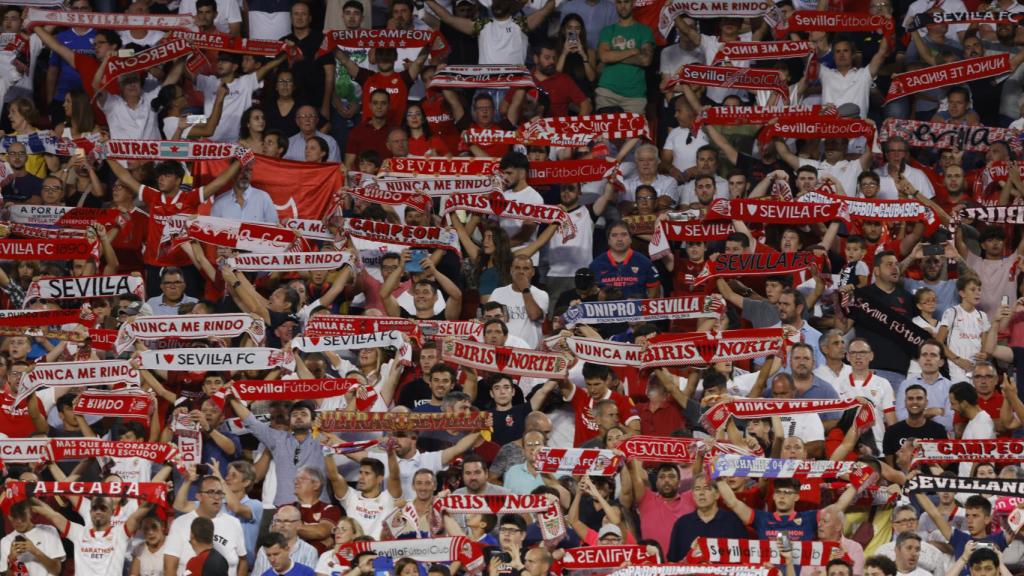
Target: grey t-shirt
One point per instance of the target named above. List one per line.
(760, 313)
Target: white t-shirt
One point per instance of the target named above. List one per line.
(876, 390)
(150, 563)
(369, 512)
(238, 99)
(512, 226)
(139, 123)
(228, 539)
(502, 42)
(853, 88)
(98, 552)
(663, 185)
(684, 155)
(117, 519)
(519, 322)
(328, 564)
(565, 257)
(688, 191)
(269, 25)
(807, 427)
(228, 12)
(45, 538)
(152, 38)
(981, 427)
(132, 469)
(710, 45)
(408, 466)
(966, 331)
(846, 171)
(887, 186)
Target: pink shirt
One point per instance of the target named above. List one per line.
(658, 515)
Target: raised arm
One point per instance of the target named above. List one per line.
(745, 514)
(464, 25)
(940, 520)
(537, 18)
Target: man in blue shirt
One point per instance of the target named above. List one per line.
(61, 76)
(978, 514)
(620, 267)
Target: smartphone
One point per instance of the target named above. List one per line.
(125, 53)
(934, 250)
(1005, 301)
(383, 566)
(415, 257)
(573, 36)
(80, 152)
(20, 538)
(195, 119)
(203, 469)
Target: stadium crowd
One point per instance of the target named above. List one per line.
(353, 287)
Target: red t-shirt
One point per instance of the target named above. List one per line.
(160, 208)
(440, 120)
(16, 422)
(128, 243)
(397, 87)
(365, 137)
(432, 146)
(562, 90)
(586, 425)
(313, 514)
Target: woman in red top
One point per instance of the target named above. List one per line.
(422, 142)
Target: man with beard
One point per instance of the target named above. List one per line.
(290, 449)
(369, 503)
(561, 88)
(933, 270)
(891, 360)
(658, 510)
(708, 521)
(246, 203)
(707, 165)
(930, 358)
(915, 425)
(566, 257)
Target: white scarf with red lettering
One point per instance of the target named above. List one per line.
(707, 9)
(489, 76)
(190, 327)
(757, 115)
(127, 403)
(742, 551)
(959, 72)
(471, 329)
(646, 310)
(505, 360)
(105, 21)
(179, 150)
(950, 451)
(420, 236)
(438, 187)
(873, 209)
(248, 236)
(570, 129)
(813, 20)
(544, 507)
(495, 204)
(77, 374)
(746, 51)
(70, 216)
(290, 261)
(218, 359)
(747, 408)
(84, 287)
(578, 461)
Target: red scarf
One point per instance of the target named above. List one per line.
(127, 403)
(379, 38)
(63, 449)
(616, 126)
(757, 264)
(249, 236)
(50, 249)
(237, 45)
(162, 53)
(496, 204)
(675, 450)
(741, 551)
(754, 115)
(874, 209)
(745, 51)
(153, 492)
(485, 76)
(953, 73)
(351, 325)
(420, 236)
(504, 360)
(950, 451)
(776, 211)
(733, 77)
(27, 318)
(812, 20)
(821, 127)
(339, 421)
(578, 461)
(375, 195)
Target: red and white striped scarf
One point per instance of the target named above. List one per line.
(733, 77)
(376, 195)
(105, 21)
(340, 325)
(959, 72)
(343, 421)
(416, 167)
(544, 507)
(432, 237)
(237, 45)
(692, 349)
(448, 549)
(747, 408)
(741, 551)
(495, 204)
(190, 327)
(127, 403)
(83, 287)
(569, 129)
(290, 261)
(704, 9)
(504, 359)
(578, 461)
(490, 76)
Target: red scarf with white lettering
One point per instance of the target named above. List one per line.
(432, 237)
(813, 20)
(237, 45)
(290, 261)
(83, 287)
(32, 318)
(715, 417)
(573, 171)
(127, 403)
(544, 507)
(670, 450)
(490, 76)
(821, 127)
(153, 492)
(757, 264)
(379, 38)
(876, 209)
(742, 551)
(447, 549)
(190, 327)
(112, 21)
(180, 150)
(248, 236)
(440, 329)
(951, 451)
(686, 231)
(343, 421)
(414, 166)
(733, 77)
(775, 211)
(49, 249)
(376, 195)
(755, 115)
(495, 204)
(505, 360)
(952, 73)
(781, 50)
(945, 135)
(340, 325)
(578, 461)
(160, 54)
(569, 129)
(597, 557)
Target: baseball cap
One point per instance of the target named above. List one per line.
(609, 529)
(133, 309)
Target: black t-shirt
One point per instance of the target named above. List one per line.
(510, 425)
(22, 188)
(890, 353)
(414, 393)
(309, 71)
(897, 434)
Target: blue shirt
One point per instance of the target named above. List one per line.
(595, 17)
(938, 397)
(259, 207)
(799, 526)
(295, 570)
(634, 275)
(69, 78)
(959, 539)
(819, 390)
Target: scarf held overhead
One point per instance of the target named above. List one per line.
(190, 327)
(290, 261)
(949, 451)
(578, 461)
(719, 414)
(733, 77)
(504, 359)
(339, 421)
(993, 486)
(448, 549)
(544, 507)
(377, 38)
(497, 205)
(757, 264)
(647, 310)
(69, 19)
(126, 403)
(941, 75)
(404, 234)
(85, 287)
(220, 359)
(473, 77)
(153, 492)
(741, 551)
(945, 136)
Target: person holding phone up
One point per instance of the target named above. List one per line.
(424, 289)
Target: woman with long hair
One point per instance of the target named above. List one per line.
(169, 106)
(251, 129)
(422, 141)
(24, 118)
(574, 57)
(316, 150)
(282, 103)
(78, 111)
(492, 259)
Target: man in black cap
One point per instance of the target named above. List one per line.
(585, 290)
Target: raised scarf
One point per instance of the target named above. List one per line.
(616, 126)
(66, 216)
(416, 166)
(77, 373)
(377, 38)
(376, 195)
(190, 327)
(646, 310)
(14, 229)
(686, 231)
(117, 66)
(693, 349)
(742, 551)
(80, 448)
(495, 204)
(780, 50)
(49, 249)
(732, 466)
(994, 486)
(875, 209)
(220, 359)
(698, 569)
(572, 171)
(597, 557)
(776, 211)
(544, 508)
(237, 45)
(672, 450)
(820, 127)
(437, 187)
(578, 461)
(25, 450)
(432, 237)
(504, 359)
(182, 150)
(757, 264)
(869, 313)
(341, 421)
(302, 389)
(994, 214)
(83, 287)
(486, 76)
(755, 115)
(733, 77)
(940, 17)
(746, 408)
(339, 325)
(943, 135)
(290, 261)
(390, 338)
(127, 403)
(310, 229)
(248, 236)
(471, 329)
(710, 9)
(112, 21)
(946, 452)
(31, 318)
(953, 73)
(447, 549)
(188, 438)
(813, 20)
(153, 492)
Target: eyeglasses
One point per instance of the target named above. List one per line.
(859, 352)
(53, 188)
(18, 154)
(534, 444)
(509, 531)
